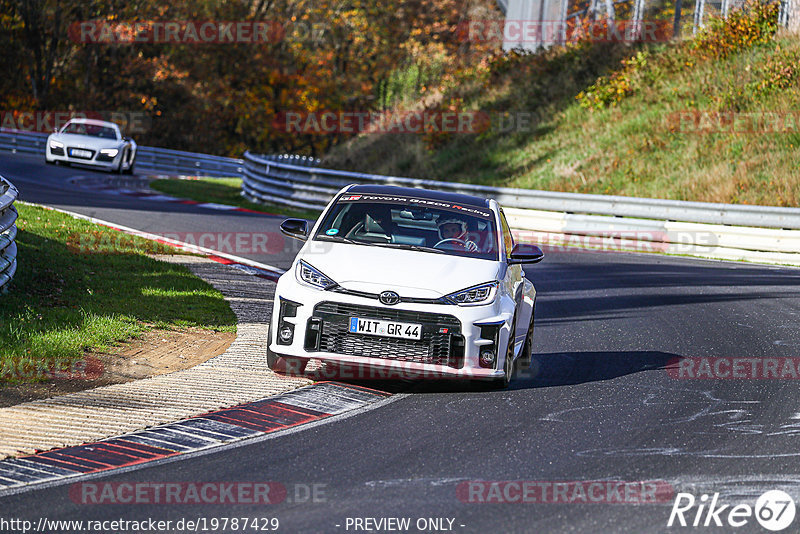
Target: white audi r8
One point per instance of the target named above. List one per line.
(92, 142)
(409, 282)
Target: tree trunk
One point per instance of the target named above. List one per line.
(610, 13)
(42, 41)
(793, 9)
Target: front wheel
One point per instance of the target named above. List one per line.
(121, 161)
(286, 365)
(523, 363)
(508, 361)
(129, 170)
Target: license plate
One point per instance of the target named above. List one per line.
(78, 153)
(385, 328)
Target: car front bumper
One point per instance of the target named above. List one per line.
(452, 336)
(63, 156)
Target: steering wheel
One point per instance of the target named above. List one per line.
(459, 241)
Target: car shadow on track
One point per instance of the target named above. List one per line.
(554, 369)
(569, 368)
(547, 370)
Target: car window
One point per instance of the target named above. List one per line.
(92, 130)
(407, 223)
(508, 239)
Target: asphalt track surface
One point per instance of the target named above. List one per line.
(598, 404)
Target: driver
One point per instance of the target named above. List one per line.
(452, 227)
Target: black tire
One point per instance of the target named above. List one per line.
(121, 160)
(523, 363)
(129, 170)
(286, 365)
(508, 364)
(502, 383)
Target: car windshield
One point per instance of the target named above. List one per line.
(411, 223)
(92, 130)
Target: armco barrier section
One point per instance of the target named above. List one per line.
(722, 231)
(159, 160)
(191, 163)
(8, 231)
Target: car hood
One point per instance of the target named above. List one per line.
(85, 141)
(408, 272)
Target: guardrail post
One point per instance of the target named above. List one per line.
(8, 231)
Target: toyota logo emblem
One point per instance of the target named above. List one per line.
(389, 298)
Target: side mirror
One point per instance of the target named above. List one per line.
(523, 253)
(55, 130)
(295, 228)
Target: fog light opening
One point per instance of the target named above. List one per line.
(285, 334)
(487, 358)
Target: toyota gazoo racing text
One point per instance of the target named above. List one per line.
(92, 142)
(414, 282)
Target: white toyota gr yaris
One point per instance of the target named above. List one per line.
(406, 282)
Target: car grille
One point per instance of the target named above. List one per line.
(441, 343)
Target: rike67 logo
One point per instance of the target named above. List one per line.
(774, 510)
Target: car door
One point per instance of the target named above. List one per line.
(514, 281)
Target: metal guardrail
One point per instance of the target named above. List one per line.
(16, 141)
(759, 233)
(160, 160)
(295, 182)
(8, 231)
(722, 231)
(192, 163)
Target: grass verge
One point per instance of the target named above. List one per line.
(80, 287)
(222, 191)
